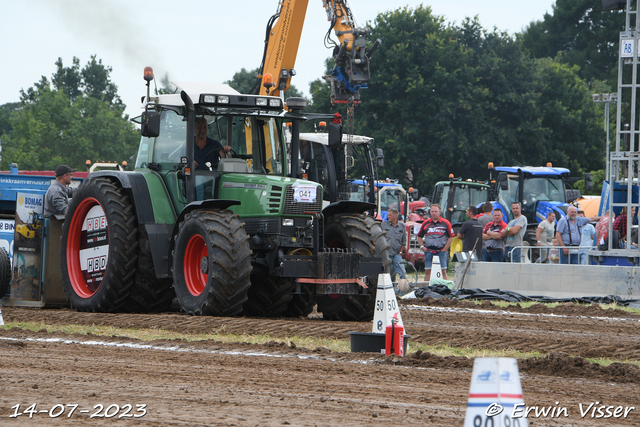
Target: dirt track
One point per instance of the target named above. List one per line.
(209, 383)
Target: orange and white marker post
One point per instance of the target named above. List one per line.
(495, 395)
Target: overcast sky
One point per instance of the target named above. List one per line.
(191, 40)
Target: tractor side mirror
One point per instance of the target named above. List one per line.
(416, 196)
(150, 124)
(503, 182)
(335, 135)
(588, 181)
(379, 157)
(572, 195)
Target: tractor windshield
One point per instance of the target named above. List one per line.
(389, 198)
(536, 188)
(543, 188)
(465, 195)
(255, 143)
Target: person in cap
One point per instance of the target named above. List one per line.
(56, 201)
(396, 237)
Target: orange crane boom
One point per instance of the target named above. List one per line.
(282, 39)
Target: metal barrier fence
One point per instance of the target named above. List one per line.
(545, 253)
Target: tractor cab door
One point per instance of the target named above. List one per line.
(317, 164)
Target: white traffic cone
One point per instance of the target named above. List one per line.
(495, 395)
(436, 269)
(386, 305)
(436, 274)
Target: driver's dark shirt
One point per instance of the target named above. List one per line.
(200, 154)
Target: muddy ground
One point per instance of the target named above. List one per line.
(207, 383)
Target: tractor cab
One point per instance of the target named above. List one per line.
(221, 117)
(539, 189)
(455, 196)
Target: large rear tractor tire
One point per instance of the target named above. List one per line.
(148, 293)
(5, 272)
(99, 247)
(211, 263)
(268, 296)
(364, 234)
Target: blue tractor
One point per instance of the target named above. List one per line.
(538, 189)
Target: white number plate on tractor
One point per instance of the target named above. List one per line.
(304, 193)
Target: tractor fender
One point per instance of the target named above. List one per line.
(543, 207)
(347, 207)
(136, 185)
(205, 204)
(496, 205)
(159, 233)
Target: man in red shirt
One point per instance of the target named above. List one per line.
(492, 233)
(438, 235)
(620, 224)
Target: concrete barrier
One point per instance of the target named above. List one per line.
(552, 280)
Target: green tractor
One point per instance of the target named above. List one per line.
(245, 237)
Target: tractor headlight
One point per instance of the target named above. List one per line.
(287, 222)
(223, 99)
(261, 102)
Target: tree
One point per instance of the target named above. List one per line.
(245, 81)
(78, 116)
(579, 32)
(92, 80)
(457, 97)
(5, 113)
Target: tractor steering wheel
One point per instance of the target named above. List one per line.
(232, 151)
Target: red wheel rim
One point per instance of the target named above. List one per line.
(194, 277)
(74, 246)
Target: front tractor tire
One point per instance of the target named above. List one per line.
(364, 234)
(99, 247)
(211, 263)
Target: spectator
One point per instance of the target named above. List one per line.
(396, 237)
(492, 233)
(471, 233)
(569, 235)
(602, 230)
(586, 242)
(545, 234)
(438, 235)
(620, 224)
(485, 218)
(514, 234)
(56, 201)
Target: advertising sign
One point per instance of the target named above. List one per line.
(25, 278)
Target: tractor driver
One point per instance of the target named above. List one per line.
(56, 201)
(205, 146)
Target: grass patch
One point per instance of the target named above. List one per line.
(336, 345)
(445, 350)
(162, 334)
(615, 306)
(527, 304)
(522, 304)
